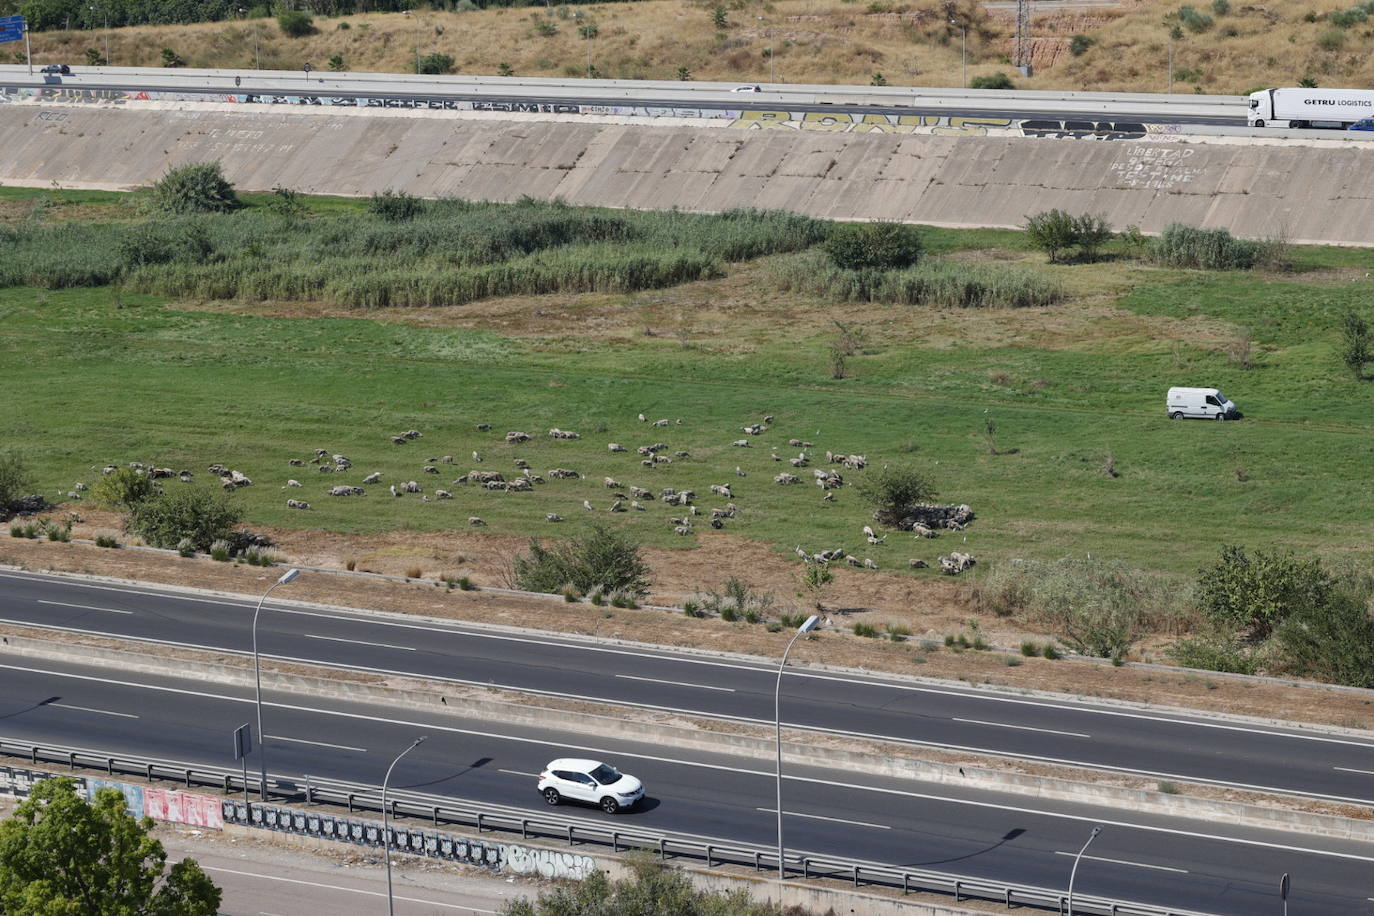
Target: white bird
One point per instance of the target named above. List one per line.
(476, 457)
(587, 505)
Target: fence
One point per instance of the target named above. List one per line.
(483, 819)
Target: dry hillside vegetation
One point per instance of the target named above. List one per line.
(811, 41)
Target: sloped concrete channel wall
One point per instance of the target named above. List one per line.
(1305, 193)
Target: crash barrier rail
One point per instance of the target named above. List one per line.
(489, 818)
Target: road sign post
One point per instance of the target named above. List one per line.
(1284, 885)
(12, 28)
(243, 746)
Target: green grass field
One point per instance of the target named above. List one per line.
(95, 376)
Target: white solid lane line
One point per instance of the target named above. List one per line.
(341, 747)
(1353, 770)
(1181, 871)
(631, 677)
(821, 817)
(1024, 728)
(518, 773)
(347, 890)
(85, 607)
(103, 712)
(359, 642)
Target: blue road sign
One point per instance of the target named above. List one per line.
(11, 28)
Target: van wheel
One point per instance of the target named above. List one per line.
(551, 796)
(610, 805)
(1259, 123)
(1176, 415)
(1221, 416)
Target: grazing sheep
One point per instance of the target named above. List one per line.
(918, 564)
(297, 504)
(586, 504)
(411, 434)
(476, 457)
(345, 491)
(693, 510)
(315, 460)
(637, 506)
(682, 454)
(342, 461)
(956, 563)
(552, 517)
(618, 506)
(185, 476)
(795, 443)
(410, 486)
(645, 450)
(798, 462)
(720, 490)
(81, 486)
(717, 523)
(801, 554)
(855, 562)
(786, 479)
(563, 434)
(666, 492)
(739, 473)
(293, 483)
(719, 513)
(219, 469)
(869, 564)
(768, 418)
(475, 522)
(520, 485)
(564, 474)
(755, 430)
(394, 491)
(431, 461)
(876, 540)
(484, 477)
(443, 494)
(459, 481)
(640, 493)
(616, 447)
(613, 484)
(921, 531)
(431, 469)
(642, 418)
(662, 459)
(325, 469)
(373, 477)
(424, 499)
(108, 469)
(398, 440)
(828, 498)
(661, 423)
(682, 530)
(741, 443)
(447, 459)
(868, 530)
(296, 462)
(731, 509)
(321, 452)
(516, 436)
(483, 427)
(521, 463)
(855, 462)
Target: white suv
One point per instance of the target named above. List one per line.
(589, 781)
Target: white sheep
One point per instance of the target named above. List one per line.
(373, 477)
(476, 522)
(616, 447)
(293, 483)
(297, 504)
(443, 494)
(553, 517)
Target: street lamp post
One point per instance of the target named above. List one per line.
(286, 577)
(1074, 872)
(416, 17)
(386, 823)
(1171, 65)
(106, 14)
(807, 627)
(772, 59)
(963, 30)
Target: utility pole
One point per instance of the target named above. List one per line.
(1022, 51)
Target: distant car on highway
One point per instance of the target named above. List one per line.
(747, 89)
(591, 782)
(57, 68)
(1362, 124)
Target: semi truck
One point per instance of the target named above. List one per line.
(1331, 108)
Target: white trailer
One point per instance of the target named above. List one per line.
(1334, 108)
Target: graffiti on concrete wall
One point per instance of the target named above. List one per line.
(1159, 168)
(846, 122)
(1084, 130)
(547, 863)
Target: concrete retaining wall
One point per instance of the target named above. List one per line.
(1309, 194)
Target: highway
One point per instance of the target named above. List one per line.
(1193, 865)
(1161, 745)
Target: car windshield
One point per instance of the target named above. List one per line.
(606, 775)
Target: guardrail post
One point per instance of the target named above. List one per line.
(524, 829)
(226, 783)
(708, 855)
(758, 860)
(71, 760)
(570, 831)
(435, 812)
(906, 886)
(615, 842)
(350, 802)
(188, 779)
(856, 876)
(956, 891)
(109, 764)
(663, 852)
(806, 867)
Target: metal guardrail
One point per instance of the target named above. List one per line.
(495, 819)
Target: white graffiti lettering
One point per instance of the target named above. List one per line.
(547, 863)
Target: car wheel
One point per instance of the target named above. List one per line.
(551, 796)
(1221, 416)
(1176, 415)
(1259, 123)
(610, 805)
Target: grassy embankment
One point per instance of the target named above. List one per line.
(99, 375)
(812, 41)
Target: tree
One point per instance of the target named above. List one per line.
(816, 578)
(894, 491)
(196, 514)
(1258, 591)
(653, 889)
(600, 558)
(63, 856)
(875, 246)
(16, 481)
(1052, 231)
(1090, 234)
(295, 23)
(1355, 343)
(123, 488)
(196, 188)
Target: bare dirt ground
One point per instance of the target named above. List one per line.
(930, 609)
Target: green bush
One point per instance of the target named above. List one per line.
(1344, 19)
(1029, 649)
(55, 532)
(1194, 21)
(1203, 249)
(106, 540)
(1079, 45)
(941, 284)
(196, 514)
(434, 64)
(1221, 7)
(16, 480)
(171, 58)
(598, 559)
(996, 81)
(1333, 642)
(1357, 344)
(219, 550)
(395, 206)
(295, 23)
(867, 630)
(893, 491)
(1090, 233)
(875, 246)
(196, 188)
(123, 488)
(1331, 40)
(1215, 652)
(1053, 232)
(651, 889)
(1257, 591)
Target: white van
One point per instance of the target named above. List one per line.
(1207, 403)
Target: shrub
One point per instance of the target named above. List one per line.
(1051, 651)
(898, 633)
(1090, 233)
(1079, 45)
(1333, 642)
(186, 548)
(434, 64)
(866, 629)
(106, 540)
(1331, 40)
(1052, 231)
(996, 81)
(196, 188)
(1203, 249)
(878, 80)
(691, 609)
(893, 491)
(55, 532)
(16, 481)
(219, 550)
(1194, 21)
(295, 23)
(729, 614)
(171, 58)
(259, 556)
(876, 246)
(1344, 19)
(1215, 652)
(395, 206)
(123, 488)
(600, 558)
(684, 75)
(465, 584)
(336, 61)
(1221, 7)
(94, 58)
(933, 282)
(197, 514)
(1029, 649)
(1355, 346)
(1258, 591)
(414, 572)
